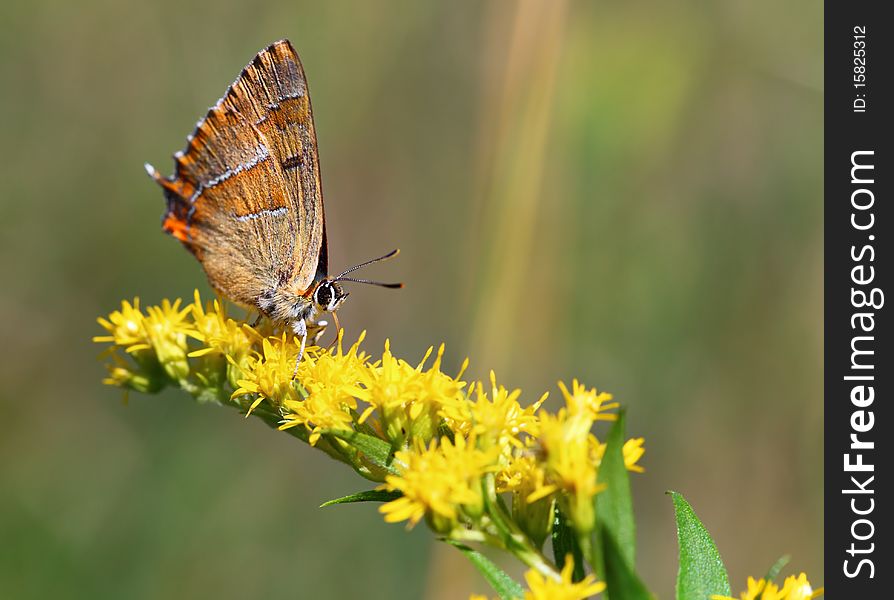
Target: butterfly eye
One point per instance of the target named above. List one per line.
(338, 296)
(324, 295)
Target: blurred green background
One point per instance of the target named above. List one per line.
(627, 193)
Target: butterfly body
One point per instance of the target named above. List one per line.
(246, 198)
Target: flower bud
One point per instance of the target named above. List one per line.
(534, 518)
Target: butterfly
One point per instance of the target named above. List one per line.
(245, 198)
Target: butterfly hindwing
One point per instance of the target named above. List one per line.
(227, 203)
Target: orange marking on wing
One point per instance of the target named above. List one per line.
(175, 227)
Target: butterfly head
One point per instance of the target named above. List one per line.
(329, 295)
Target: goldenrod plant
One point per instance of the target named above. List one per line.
(467, 459)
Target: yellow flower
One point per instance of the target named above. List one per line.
(126, 326)
(593, 403)
(167, 329)
(793, 588)
(331, 382)
(227, 343)
(391, 386)
(545, 588)
(437, 388)
(496, 420)
(159, 335)
(570, 456)
(123, 375)
(323, 410)
(521, 473)
(269, 376)
(128, 332)
(633, 451)
(441, 482)
(407, 399)
(798, 588)
(524, 476)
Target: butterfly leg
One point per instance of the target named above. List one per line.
(315, 331)
(300, 329)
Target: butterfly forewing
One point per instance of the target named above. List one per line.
(272, 94)
(246, 197)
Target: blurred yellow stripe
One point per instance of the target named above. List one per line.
(512, 147)
(513, 140)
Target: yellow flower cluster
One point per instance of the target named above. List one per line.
(537, 456)
(793, 588)
(545, 588)
(455, 447)
(564, 588)
(440, 482)
(444, 451)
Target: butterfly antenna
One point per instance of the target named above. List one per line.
(391, 254)
(393, 286)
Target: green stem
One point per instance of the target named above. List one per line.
(274, 420)
(513, 539)
(473, 535)
(355, 459)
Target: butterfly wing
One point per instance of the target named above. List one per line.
(271, 93)
(227, 203)
(245, 197)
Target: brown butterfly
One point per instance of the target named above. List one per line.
(246, 199)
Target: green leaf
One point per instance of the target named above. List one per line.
(364, 427)
(702, 573)
(445, 431)
(565, 543)
(621, 582)
(503, 584)
(377, 451)
(614, 505)
(367, 496)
